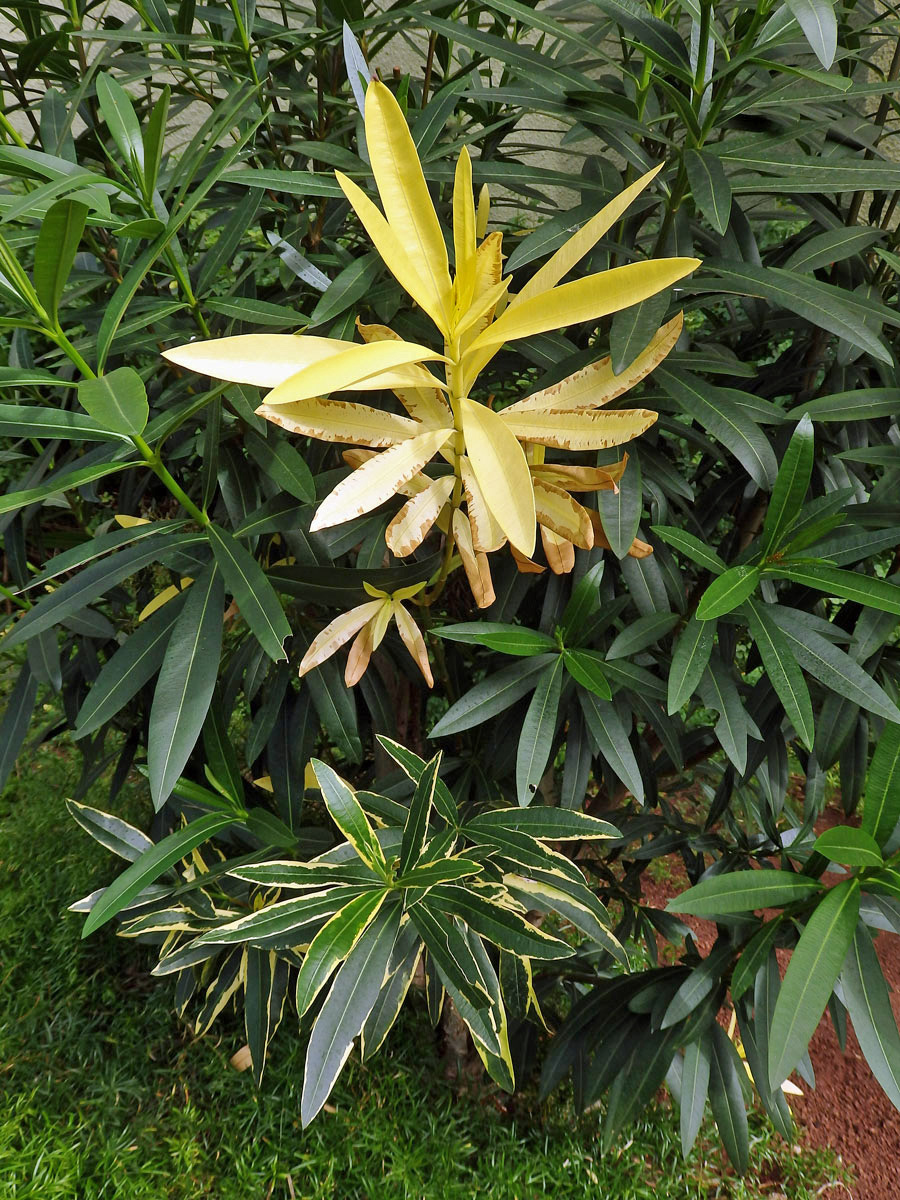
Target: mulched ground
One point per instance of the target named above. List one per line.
(847, 1111)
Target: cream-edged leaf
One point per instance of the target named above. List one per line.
(486, 533)
(412, 639)
(335, 634)
(404, 192)
(393, 252)
(558, 511)
(354, 364)
(475, 564)
(378, 479)
(502, 472)
(580, 479)
(573, 251)
(596, 384)
(414, 521)
(340, 421)
(586, 299)
(579, 430)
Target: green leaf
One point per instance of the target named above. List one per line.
(717, 414)
(719, 691)
(347, 288)
(726, 1098)
(16, 719)
(743, 891)
(492, 695)
(55, 250)
(118, 111)
(536, 738)
(611, 739)
(691, 547)
(728, 591)
(868, 1001)
(697, 986)
(348, 815)
(30, 420)
(782, 669)
(818, 21)
(864, 405)
(851, 585)
(881, 808)
(507, 639)
(621, 508)
(333, 943)
(753, 957)
(814, 967)
(790, 487)
(824, 305)
(444, 870)
(830, 665)
(296, 920)
(350, 1000)
(253, 593)
(415, 829)
(689, 660)
(502, 926)
(709, 187)
(258, 1006)
(117, 401)
(151, 865)
(185, 685)
(135, 663)
(281, 462)
(586, 668)
(584, 601)
(451, 953)
(852, 847)
(694, 1090)
(60, 482)
(830, 247)
(414, 766)
(639, 634)
(630, 332)
(88, 585)
(540, 821)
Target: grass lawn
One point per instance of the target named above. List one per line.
(104, 1094)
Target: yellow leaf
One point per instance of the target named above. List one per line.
(578, 245)
(130, 522)
(475, 565)
(525, 565)
(264, 359)
(502, 472)
(378, 479)
(586, 299)
(358, 658)
(580, 479)
(412, 487)
(413, 641)
(335, 634)
(579, 430)
(560, 552)
(464, 232)
(393, 252)
(596, 385)
(488, 275)
(479, 311)
(413, 522)
(423, 403)
(265, 783)
(340, 421)
(558, 511)
(486, 533)
(353, 364)
(162, 598)
(484, 211)
(404, 192)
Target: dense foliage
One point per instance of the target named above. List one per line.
(726, 616)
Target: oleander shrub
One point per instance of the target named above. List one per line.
(583, 640)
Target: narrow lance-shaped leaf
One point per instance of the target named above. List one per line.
(881, 809)
(151, 865)
(333, 943)
(743, 891)
(868, 1000)
(55, 251)
(186, 682)
(815, 965)
(783, 672)
(347, 813)
(728, 591)
(689, 660)
(415, 830)
(536, 739)
(790, 487)
(253, 593)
